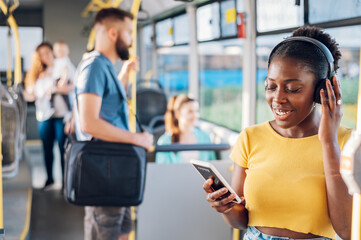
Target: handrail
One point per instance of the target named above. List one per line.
(14, 28)
(132, 75)
(192, 147)
(95, 6)
(9, 74)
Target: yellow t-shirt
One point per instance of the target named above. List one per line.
(285, 184)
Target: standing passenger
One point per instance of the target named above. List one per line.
(287, 169)
(39, 86)
(103, 112)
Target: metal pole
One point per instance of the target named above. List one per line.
(193, 80)
(9, 74)
(356, 205)
(249, 67)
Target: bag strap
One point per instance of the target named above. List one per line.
(130, 110)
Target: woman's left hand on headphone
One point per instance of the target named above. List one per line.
(331, 113)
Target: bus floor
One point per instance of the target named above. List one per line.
(16, 203)
(51, 216)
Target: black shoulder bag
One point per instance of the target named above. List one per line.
(99, 173)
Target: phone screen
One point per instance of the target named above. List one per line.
(208, 173)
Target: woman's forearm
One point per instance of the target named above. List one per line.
(237, 217)
(338, 199)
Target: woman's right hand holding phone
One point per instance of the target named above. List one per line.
(215, 199)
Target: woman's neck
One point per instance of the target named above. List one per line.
(185, 130)
(187, 136)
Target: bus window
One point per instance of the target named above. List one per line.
(208, 22)
(164, 33)
(220, 82)
(27, 47)
(228, 18)
(335, 10)
(173, 69)
(181, 29)
(349, 40)
(271, 15)
(147, 35)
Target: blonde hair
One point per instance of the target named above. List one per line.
(37, 67)
(171, 121)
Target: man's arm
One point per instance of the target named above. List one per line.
(89, 105)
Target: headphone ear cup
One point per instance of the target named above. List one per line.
(321, 84)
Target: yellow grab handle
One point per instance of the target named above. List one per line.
(96, 5)
(14, 28)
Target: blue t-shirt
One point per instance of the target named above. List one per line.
(96, 74)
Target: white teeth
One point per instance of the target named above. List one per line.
(279, 112)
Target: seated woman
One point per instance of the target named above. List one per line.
(180, 119)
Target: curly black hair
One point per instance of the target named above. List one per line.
(307, 52)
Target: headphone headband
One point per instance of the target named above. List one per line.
(326, 52)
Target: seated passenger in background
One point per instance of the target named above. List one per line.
(180, 119)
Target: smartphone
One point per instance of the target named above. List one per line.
(207, 170)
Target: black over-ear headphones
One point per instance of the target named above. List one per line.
(321, 84)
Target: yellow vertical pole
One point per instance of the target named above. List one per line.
(356, 213)
(236, 234)
(17, 69)
(133, 81)
(132, 74)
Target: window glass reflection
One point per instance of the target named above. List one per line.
(208, 22)
(228, 15)
(330, 10)
(164, 32)
(181, 29)
(278, 14)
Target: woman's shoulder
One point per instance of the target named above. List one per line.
(198, 130)
(201, 135)
(258, 128)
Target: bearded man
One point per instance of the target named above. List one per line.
(102, 112)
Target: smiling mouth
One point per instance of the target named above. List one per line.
(282, 114)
